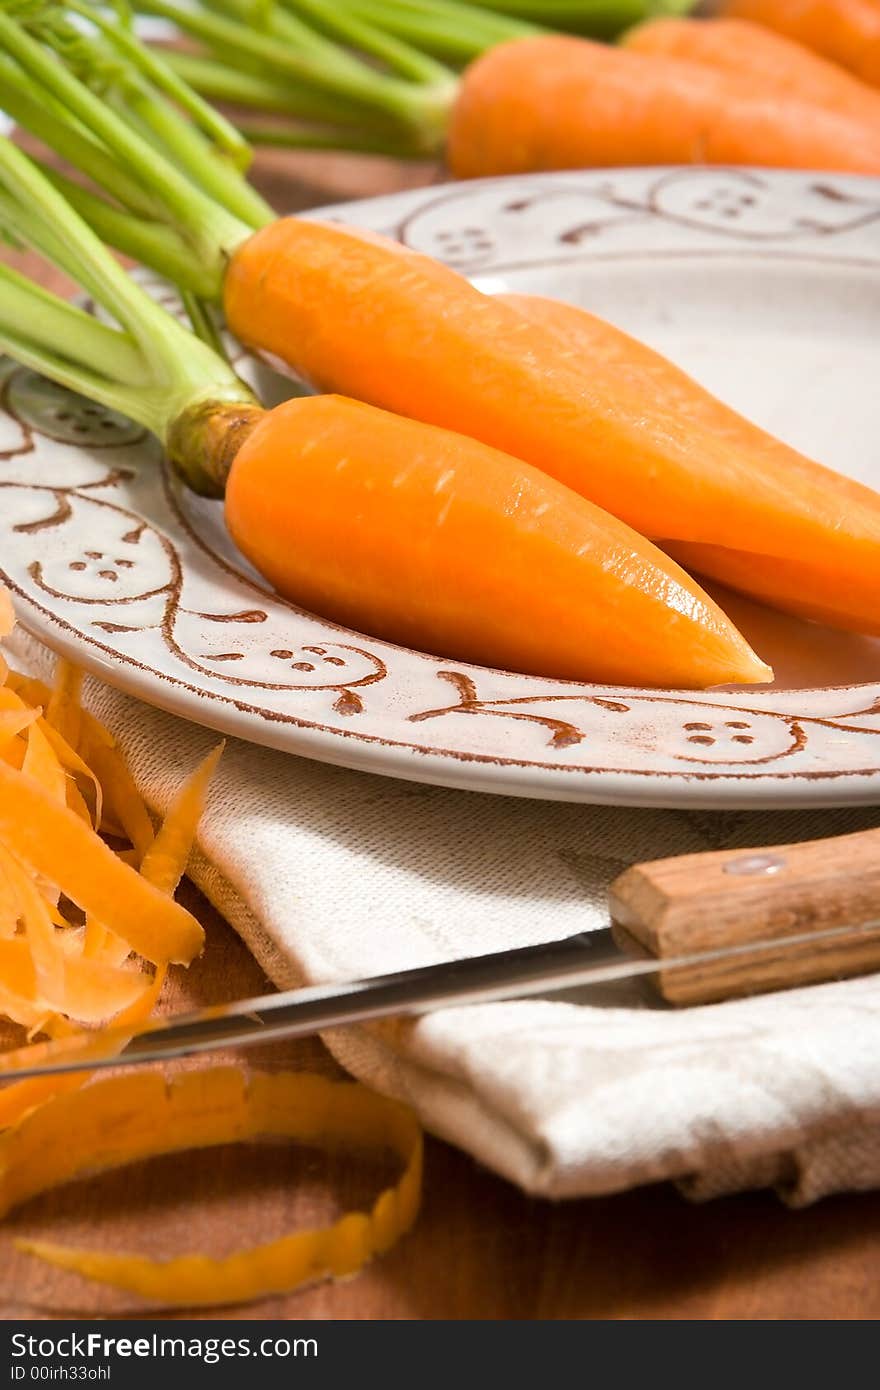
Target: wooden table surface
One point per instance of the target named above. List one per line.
(481, 1249)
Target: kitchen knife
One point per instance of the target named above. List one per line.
(703, 927)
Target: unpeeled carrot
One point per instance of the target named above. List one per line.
(828, 585)
(360, 316)
(436, 541)
(846, 31)
(741, 47)
(557, 102)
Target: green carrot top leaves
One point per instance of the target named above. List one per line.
(145, 364)
(169, 191)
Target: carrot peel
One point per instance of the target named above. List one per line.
(120, 1120)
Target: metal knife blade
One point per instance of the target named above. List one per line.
(590, 958)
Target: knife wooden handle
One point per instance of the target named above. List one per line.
(703, 902)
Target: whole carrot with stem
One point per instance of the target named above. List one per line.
(745, 49)
(411, 533)
(846, 31)
(557, 102)
(358, 315)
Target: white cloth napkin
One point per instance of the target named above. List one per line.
(329, 875)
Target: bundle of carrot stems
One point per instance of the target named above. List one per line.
(384, 76)
(371, 75)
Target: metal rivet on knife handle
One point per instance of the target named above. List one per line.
(755, 864)
(703, 902)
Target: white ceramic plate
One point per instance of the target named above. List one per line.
(766, 286)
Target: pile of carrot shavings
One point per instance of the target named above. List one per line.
(87, 933)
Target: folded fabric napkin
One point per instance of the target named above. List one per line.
(330, 875)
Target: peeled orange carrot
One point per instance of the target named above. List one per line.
(433, 540)
(557, 102)
(837, 582)
(846, 31)
(360, 316)
(749, 50)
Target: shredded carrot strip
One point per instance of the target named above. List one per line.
(56, 844)
(13, 722)
(73, 764)
(165, 861)
(41, 763)
(63, 709)
(123, 806)
(62, 779)
(118, 1121)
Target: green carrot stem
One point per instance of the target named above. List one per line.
(178, 372)
(596, 17)
(448, 29)
(193, 154)
(329, 68)
(218, 130)
(400, 57)
(30, 228)
(50, 124)
(207, 147)
(293, 137)
(151, 243)
(258, 14)
(139, 406)
(219, 81)
(214, 233)
(202, 321)
(47, 321)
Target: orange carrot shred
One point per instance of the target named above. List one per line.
(61, 780)
(41, 763)
(60, 847)
(123, 1119)
(13, 722)
(63, 711)
(165, 861)
(122, 801)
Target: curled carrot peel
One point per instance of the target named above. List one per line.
(118, 1121)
